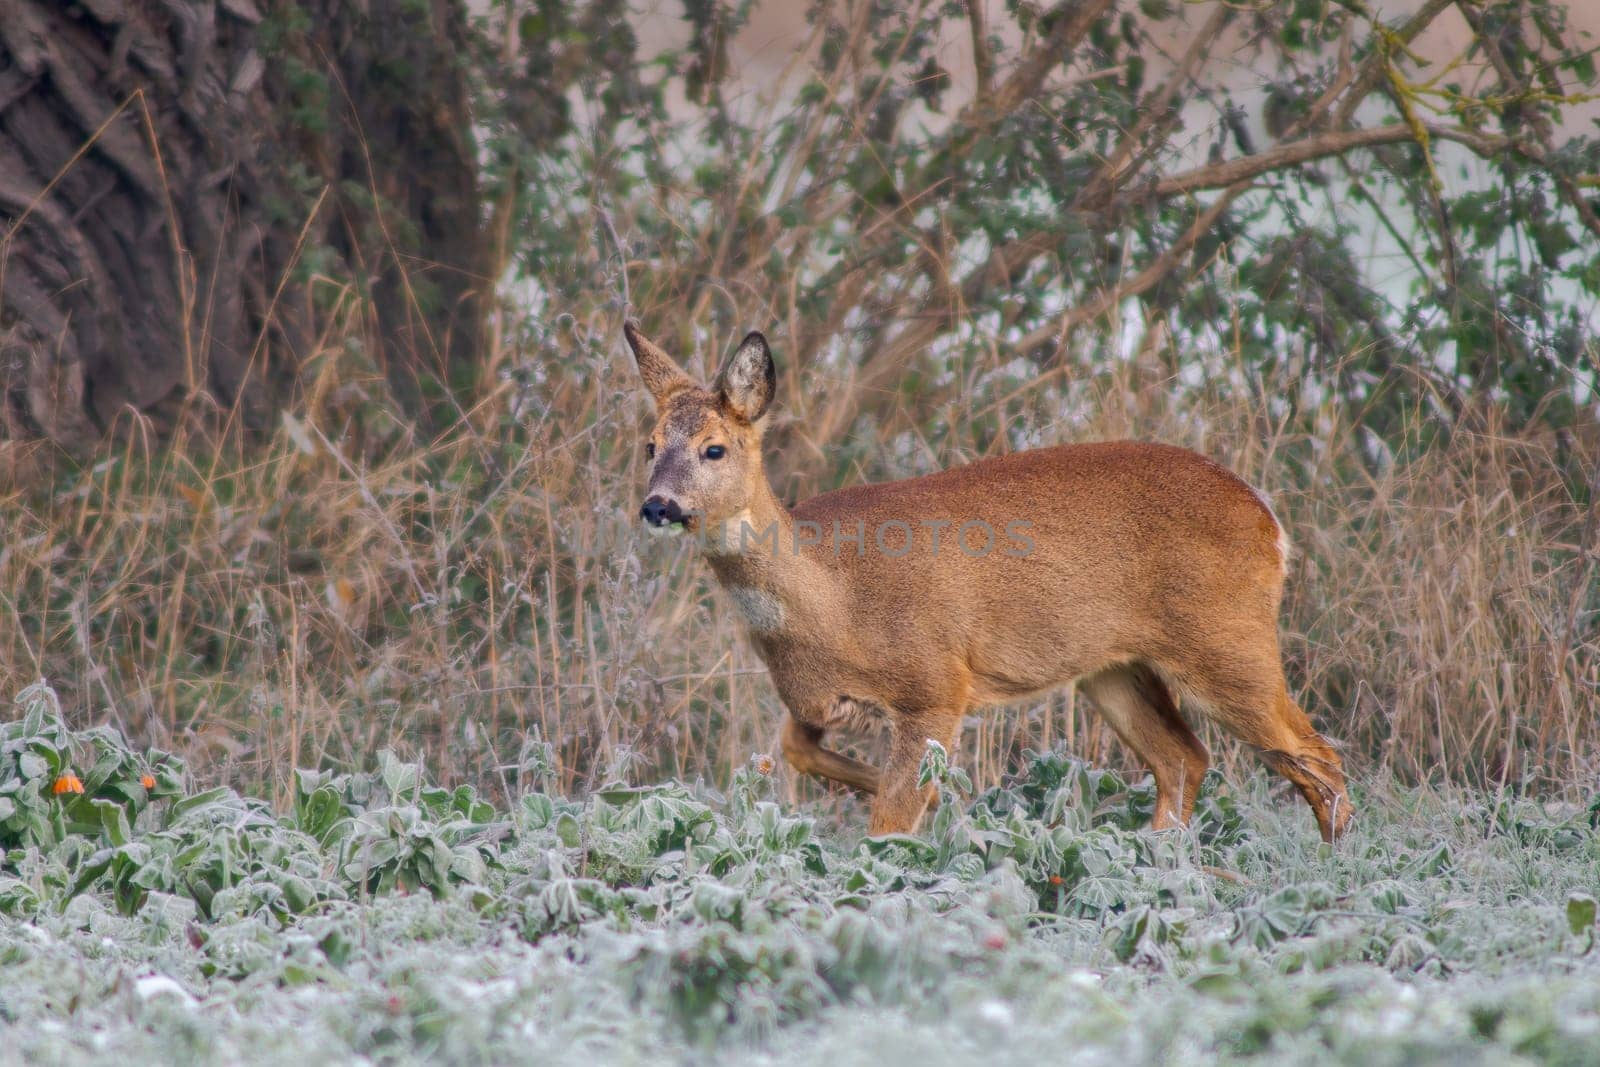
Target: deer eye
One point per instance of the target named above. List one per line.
(715, 452)
(649, 450)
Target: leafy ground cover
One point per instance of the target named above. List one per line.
(385, 919)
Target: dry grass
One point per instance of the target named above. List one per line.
(1450, 604)
(345, 586)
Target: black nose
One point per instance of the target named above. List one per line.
(658, 511)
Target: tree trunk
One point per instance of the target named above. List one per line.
(163, 165)
(401, 163)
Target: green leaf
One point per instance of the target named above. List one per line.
(1580, 912)
(105, 767)
(114, 821)
(1222, 985)
(399, 778)
(902, 845)
(1583, 66)
(626, 795)
(538, 809)
(306, 782)
(197, 801)
(319, 812)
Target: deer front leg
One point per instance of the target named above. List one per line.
(900, 803)
(802, 747)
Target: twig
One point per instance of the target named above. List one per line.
(1155, 111)
(1332, 143)
(1073, 18)
(82, 150)
(1108, 298)
(1377, 64)
(982, 59)
(622, 258)
(1229, 876)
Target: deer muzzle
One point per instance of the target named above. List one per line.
(661, 512)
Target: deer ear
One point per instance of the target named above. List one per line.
(746, 385)
(661, 376)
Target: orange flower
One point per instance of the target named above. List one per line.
(147, 780)
(67, 783)
(763, 764)
(1056, 879)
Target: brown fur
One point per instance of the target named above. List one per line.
(1154, 574)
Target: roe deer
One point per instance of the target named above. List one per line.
(1145, 573)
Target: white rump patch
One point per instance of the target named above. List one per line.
(762, 611)
(1284, 547)
(1282, 542)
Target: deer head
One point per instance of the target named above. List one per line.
(705, 448)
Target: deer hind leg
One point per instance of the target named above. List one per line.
(1250, 700)
(802, 748)
(1141, 710)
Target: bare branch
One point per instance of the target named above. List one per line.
(1155, 113)
(1539, 123)
(1373, 70)
(1073, 18)
(1107, 299)
(1294, 153)
(982, 59)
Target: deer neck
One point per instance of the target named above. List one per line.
(776, 583)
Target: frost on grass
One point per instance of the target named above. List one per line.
(384, 918)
